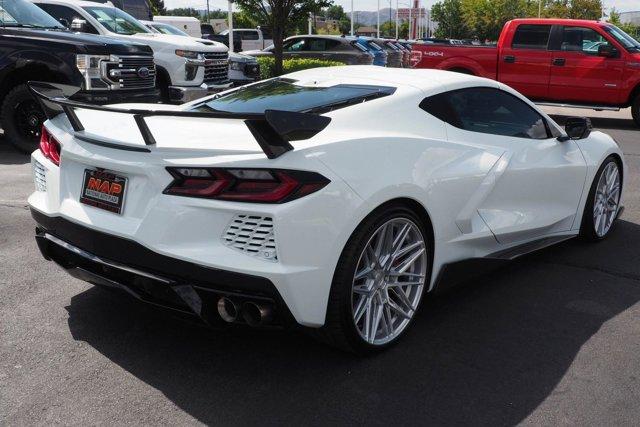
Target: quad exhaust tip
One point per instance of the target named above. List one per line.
(228, 310)
(256, 314)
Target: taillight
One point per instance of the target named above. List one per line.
(244, 185)
(49, 146)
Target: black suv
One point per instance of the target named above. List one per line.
(34, 46)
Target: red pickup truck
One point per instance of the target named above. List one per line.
(562, 62)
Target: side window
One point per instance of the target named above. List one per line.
(317, 45)
(249, 35)
(487, 110)
(66, 15)
(531, 37)
(581, 39)
(295, 46)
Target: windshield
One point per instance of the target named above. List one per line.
(117, 21)
(21, 13)
(169, 29)
(631, 44)
(287, 95)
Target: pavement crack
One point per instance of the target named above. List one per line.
(20, 205)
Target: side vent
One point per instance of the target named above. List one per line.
(39, 176)
(252, 235)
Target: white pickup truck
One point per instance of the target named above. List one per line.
(187, 68)
(244, 39)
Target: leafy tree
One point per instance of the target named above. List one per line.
(243, 20)
(448, 14)
(157, 7)
(485, 18)
(281, 16)
(183, 11)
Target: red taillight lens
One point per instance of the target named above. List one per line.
(49, 146)
(244, 185)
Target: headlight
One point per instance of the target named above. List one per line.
(187, 54)
(90, 66)
(234, 65)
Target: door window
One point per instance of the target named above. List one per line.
(249, 35)
(65, 13)
(321, 45)
(531, 37)
(295, 46)
(581, 39)
(487, 110)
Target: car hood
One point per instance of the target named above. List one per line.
(180, 42)
(258, 52)
(76, 42)
(240, 57)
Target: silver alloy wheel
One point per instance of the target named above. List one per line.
(607, 199)
(389, 280)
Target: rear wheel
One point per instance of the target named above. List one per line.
(635, 110)
(22, 119)
(379, 282)
(601, 209)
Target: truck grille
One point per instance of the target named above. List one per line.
(219, 71)
(133, 72)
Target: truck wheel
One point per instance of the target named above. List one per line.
(635, 110)
(22, 119)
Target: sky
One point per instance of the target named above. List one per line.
(620, 5)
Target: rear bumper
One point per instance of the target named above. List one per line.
(189, 93)
(106, 260)
(118, 96)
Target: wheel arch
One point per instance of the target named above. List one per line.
(24, 74)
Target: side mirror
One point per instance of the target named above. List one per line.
(607, 51)
(79, 25)
(577, 128)
(64, 22)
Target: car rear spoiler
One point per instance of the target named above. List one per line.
(272, 130)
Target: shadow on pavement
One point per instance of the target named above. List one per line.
(601, 122)
(11, 156)
(485, 354)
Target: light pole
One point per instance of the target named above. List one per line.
(539, 8)
(351, 18)
(378, 28)
(230, 26)
(397, 6)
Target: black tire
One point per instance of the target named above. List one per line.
(339, 329)
(635, 110)
(587, 227)
(22, 119)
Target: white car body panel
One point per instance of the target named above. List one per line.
(483, 194)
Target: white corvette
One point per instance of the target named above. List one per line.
(331, 198)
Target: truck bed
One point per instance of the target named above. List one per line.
(481, 61)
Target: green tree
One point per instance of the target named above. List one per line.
(157, 7)
(281, 16)
(627, 27)
(485, 18)
(448, 14)
(183, 11)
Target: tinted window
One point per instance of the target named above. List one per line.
(249, 35)
(66, 13)
(487, 110)
(20, 12)
(531, 37)
(580, 39)
(294, 45)
(319, 45)
(287, 95)
(207, 29)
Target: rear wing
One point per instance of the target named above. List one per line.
(272, 130)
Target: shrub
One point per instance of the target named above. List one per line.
(291, 65)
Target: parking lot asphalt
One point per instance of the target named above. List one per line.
(554, 338)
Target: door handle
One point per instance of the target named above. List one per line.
(559, 62)
(510, 59)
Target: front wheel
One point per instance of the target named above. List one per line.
(379, 282)
(603, 204)
(22, 119)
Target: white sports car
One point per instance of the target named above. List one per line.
(331, 198)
